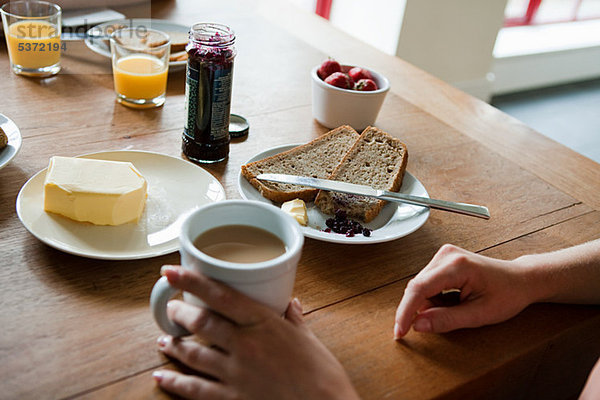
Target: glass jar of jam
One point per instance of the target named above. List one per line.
(208, 85)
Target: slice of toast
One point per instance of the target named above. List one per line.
(317, 158)
(178, 41)
(377, 160)
(179, 56)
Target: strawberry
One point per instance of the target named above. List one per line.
(358, 73)
(365, 85)
(341, 80)
(328, 67)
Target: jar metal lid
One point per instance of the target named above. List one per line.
(238, 126)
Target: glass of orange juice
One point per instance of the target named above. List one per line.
(140, 64)
(32, 30)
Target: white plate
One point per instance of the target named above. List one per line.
(101, 46)
(14, 140)
(393, 222)
(175, 187)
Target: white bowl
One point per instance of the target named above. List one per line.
(333, 106)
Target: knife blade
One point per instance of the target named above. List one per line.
(362, 190)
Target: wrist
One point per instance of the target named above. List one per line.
(533, 278)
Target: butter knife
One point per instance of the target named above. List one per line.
(362, 190)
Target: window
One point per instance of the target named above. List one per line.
(534, 12)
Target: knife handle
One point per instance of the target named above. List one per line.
(460, 208)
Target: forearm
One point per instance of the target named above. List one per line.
(571, 275)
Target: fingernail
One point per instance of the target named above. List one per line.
(170, 271)
(163, 341)
(297, 305)
(157, 376)
(397, 331)
(423, 325)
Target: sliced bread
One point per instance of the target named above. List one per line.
(179, 41)
(377, 160)
(317, 158)
(179, 56)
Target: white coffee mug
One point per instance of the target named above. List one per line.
(270, 282)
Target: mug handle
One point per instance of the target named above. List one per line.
(162, 292)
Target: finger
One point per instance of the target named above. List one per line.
(190, 387)
(224, 300)
(425, 305)
(196, 356)
(399, 332)
(294, 312)
(202, 321)
(419, 291)
(415, 298)
(446, 319)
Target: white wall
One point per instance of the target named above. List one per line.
(376, 22)
(308, 5)
(451, 39)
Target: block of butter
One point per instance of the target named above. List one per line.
(297, 209)
(97, 191)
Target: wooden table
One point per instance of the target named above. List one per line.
(73, 327)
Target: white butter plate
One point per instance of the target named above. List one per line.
(102, 47)
(393, 222)
(14, 140)
(175, 187)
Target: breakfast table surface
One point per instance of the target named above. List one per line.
(80, 328)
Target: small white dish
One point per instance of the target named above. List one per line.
(333, 106)
(14, 140)
(393, 222)
(102, 46)
(175, 188)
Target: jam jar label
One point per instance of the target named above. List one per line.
(191, 100)
(221, 103)
(207, 103)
